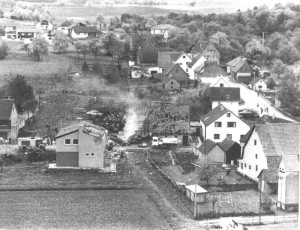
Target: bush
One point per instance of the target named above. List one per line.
(3, 50)
(37, 155)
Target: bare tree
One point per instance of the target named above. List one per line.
(207, 169)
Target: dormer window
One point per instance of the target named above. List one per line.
(183, 56)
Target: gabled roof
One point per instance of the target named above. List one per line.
(183, 77)
(165, 80)
(214, 114)
(239, 65)
(89, 128)
(226, 144)
(209, 146)
(165, 59)
(273, 162)
(196, 189)
(255, 80)
(219, 79)
(225, 94)
(183, 53)
(269, 119)
(66, 24)
(6, 106)
(85, 29)
(235, 61)
(211, 69)
(197, 58)
(210, 47)
(278, 139)
(291, 163)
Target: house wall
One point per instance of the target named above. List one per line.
(233, 153)
(156, 31)
(236, 132)
(288, 188)
(220, 83)
(89, 145)
(200, 63)
(62, 147)
(178, 136)
(216, 155)
(154, 69)
(44, 27)
(178, 73)
(172, 85)
(212, 55)
(21, 35)
(184, 60)
(65, 30)
(260, 85)
(233, 106)
(249, 158)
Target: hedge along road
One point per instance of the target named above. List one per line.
(80, 209)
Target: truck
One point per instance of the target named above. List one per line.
(25, 142)
(166, 142)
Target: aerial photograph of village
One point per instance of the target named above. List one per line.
(149, 114)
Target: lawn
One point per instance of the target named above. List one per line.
(105, 209)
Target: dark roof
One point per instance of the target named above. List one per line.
(211, 69)
(225, 94)
(44, 22)
(183, 77)
(239, 65)
(269, 175)
(269, 119)
(85, 29)
(6, 106)
(226, 144)
(89, 128)
(66, 24)
(214, 114)
(165, 59)
(273, 162)
(246, 137)
(209, 146)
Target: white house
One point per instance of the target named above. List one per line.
(227, 96)
(258, 84)
(44, 25)
(220, 123)
(184, 60)
(197, 62)
(221, 82)
(163, 29)
(264, 146)
(83, 31)
(288, 182)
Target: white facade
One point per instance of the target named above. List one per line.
(254, 158)
(200, 63)
(260, 85)
(184, 60)
(221, 82)
(233, 106)
(152, 70)
(65, 30)
(78, 35)
(218, 134)
(47, 26)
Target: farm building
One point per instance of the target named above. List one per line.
(171, 84)
(81, 145)
(258, 84)
(176, 72)
(241, 70)
(83, 31)
(212, 151)
(232, 150)
(209, 72)
(197, 62)
(44, 25)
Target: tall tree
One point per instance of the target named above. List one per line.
(39, 47)
(95, 47)
(22, 93)
(60, 42)
(288, 53)
(3, 50)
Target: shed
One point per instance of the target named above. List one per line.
(196, 193)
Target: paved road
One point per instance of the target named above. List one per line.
(258, 103)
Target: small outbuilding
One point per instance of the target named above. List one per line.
(196, 193)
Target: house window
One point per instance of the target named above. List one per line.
(250, 167)
(166, 135)
(218, 124)
(67, 141)
(183, 56)
(228, 114)
(255, 142)
(216, 136)
(75, 141)
(260, 87)
(87, 155)
(172, 83)
(187, 70)
(222, 85)
(255, 156)
(241, 165)
(172, 87)
(176, 136)
(256, 167)
(92, 154)
(229, 136)
(231, 124)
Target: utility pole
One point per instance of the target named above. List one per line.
(260, 182)
(263, 40)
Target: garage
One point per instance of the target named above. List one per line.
(67, 159)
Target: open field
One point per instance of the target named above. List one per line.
(105, 209)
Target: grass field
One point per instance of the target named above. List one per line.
(106, 209)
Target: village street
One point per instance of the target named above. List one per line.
(257, 102)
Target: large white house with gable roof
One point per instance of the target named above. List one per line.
(220, 123)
